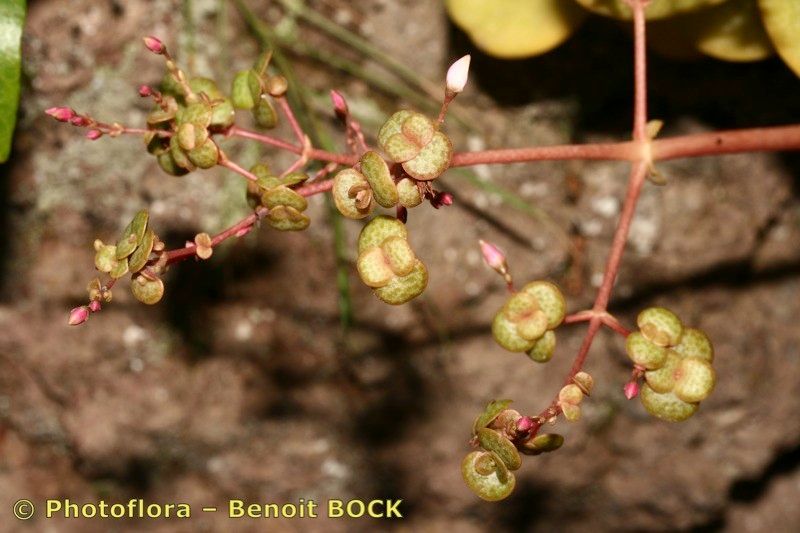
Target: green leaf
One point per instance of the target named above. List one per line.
(12, 16)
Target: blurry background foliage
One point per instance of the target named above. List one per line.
(730, 30)
(12, 16)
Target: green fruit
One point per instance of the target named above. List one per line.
(373, 269)
(663, 379)
(488, 487)
(644, 352)
(544, 348)
(286, 218)
(432, 160)
(264, 113)
(408, 193)
(732, 32)
(376, 171)
(666, 406)
(695, 343)
(241, 94)
(378, 230)
(205, 155)
(655, 10)
(399, 255)
(507, 335)
(146, 290)
(694, 380)
(282, 195)
(493, 441)
(493, 409)
(544, 443)
(132, 235)
(550, 301)
(402, 289)
(661, 326)
(343, 196)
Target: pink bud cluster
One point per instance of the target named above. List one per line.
(80, 314)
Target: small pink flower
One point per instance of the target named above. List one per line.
(631, 390)
(61, 114)
(94, 306)
(79, 121)
(78, 315)
(493, 256)
(339, 105)
(145, 91)
(93, 135)
(154, 44)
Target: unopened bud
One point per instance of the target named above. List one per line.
(61, 114)
(457, 75)
(339, 105)
(94, 306)
(78, 315)
(93, 135)
(79, 121)
(494, 256)
(154, 45)
(145, 91)
(631, 390)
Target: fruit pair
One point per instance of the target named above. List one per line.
(285, 205)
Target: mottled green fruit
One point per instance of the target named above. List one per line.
(282, 195)
(399, 255)
(695, 343)
(660, 325)
(138, 258)
(493, 441)
(206, 86)
(402, 289)
(663, 378)
(293, 178)
(179, 155)
(432, 160)
(493, 409)
(285, 218)
(373, 268)
(544, 443)
(400, 148)
(198, 113)
(378, 230)
(533, 326)
(506, 334)
(550, 301)
(544, 348)
(344, 194)
(223, 114)
(105, 258)
(571, 412)
(418, 129)
(376, 171)
(264, 113)
(656, 10)
(205, 155)
(132, 235)
(146, 290)
(571, 394)
(120, 269)
(393, 126)
(644, 352)
(584, 381)
(408, 193)
(167, 163)
(694, 379)
(241, 94)
(487, 487)
(666, 406)
(520, 305)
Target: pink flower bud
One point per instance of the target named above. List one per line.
(145, 91)
(61, 114)
(154, 45)
(493, 256)
(457, 75)
(446, 198)
(631, 390)
(94, 306)
(525, 424)
(93, 135)
(79, 121)
(78, 315)
(339, 105)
